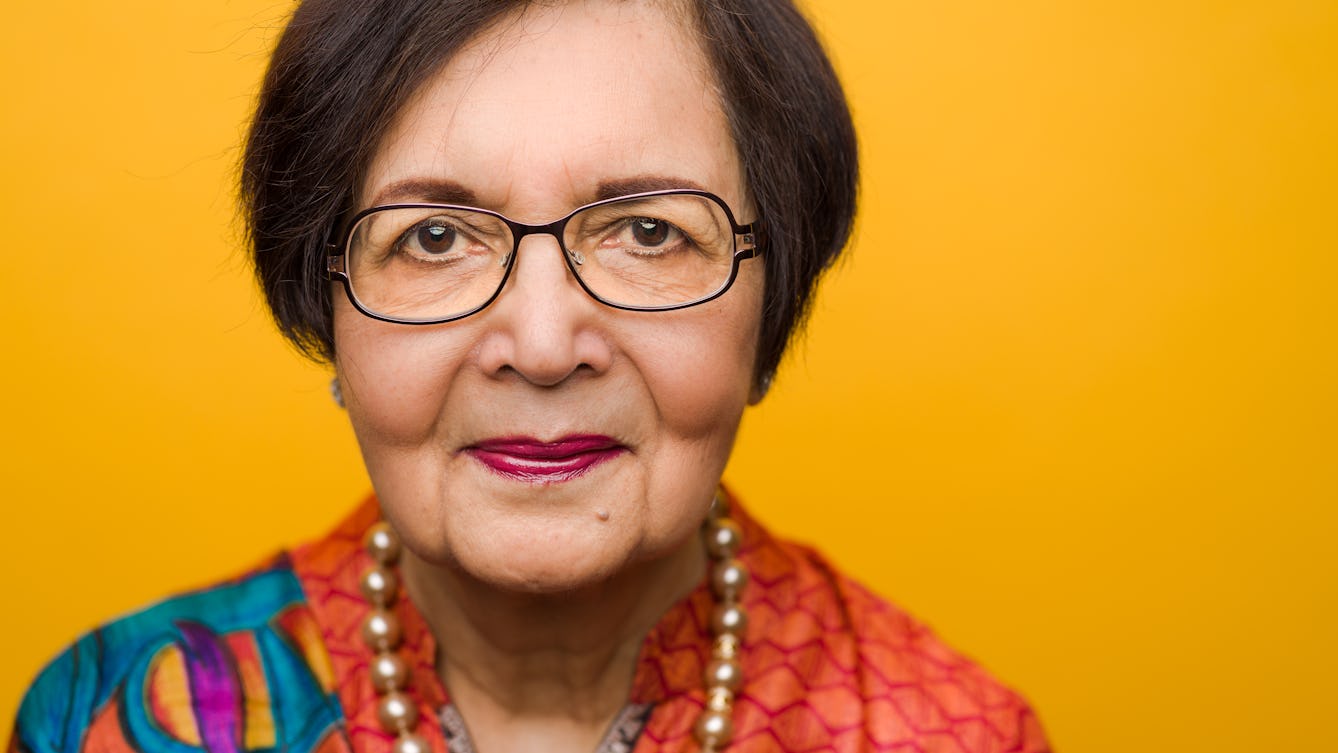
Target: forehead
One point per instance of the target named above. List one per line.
(539, 111)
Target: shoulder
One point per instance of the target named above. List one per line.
(834, 662)
(201, 669)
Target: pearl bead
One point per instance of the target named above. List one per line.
(714, 728)
(722, 538)
(726, 647)
(389, 672)
(724, 673)
(728, 579)
(729, 619)
(410, 743)
(720, 699)
(383, 544)
(379, 586)
(397, 712)
(381, 630)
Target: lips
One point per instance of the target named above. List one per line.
(534, 461)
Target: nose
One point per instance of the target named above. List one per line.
(543, 327)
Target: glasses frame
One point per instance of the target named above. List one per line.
(745, 247)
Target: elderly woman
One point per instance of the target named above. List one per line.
(552, 251)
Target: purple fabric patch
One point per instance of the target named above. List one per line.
(215, 689)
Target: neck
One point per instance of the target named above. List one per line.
(545, 668)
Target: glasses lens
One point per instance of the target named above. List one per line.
(413, 263)
(652, 251)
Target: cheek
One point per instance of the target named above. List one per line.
(701, 370)
(395, 378)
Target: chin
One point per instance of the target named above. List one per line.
(542, 541)
(547, 559)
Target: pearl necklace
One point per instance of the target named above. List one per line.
(389, 672)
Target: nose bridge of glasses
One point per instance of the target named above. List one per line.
(555, 229)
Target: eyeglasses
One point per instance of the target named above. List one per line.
(434, 263)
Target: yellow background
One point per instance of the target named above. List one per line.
(1071, 400)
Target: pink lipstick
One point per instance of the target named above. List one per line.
(533, 461)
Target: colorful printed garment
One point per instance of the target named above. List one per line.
(274, 662)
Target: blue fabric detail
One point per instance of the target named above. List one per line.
(66, 696)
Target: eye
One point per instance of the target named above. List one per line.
(648, 231)
(434, 237)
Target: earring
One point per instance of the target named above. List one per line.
(763, 386)
(336, 392)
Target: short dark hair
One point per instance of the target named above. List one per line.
(341, 72)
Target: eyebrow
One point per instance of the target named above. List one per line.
(612, 189)
(427, 190)
(442, 191)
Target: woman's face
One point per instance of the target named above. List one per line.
(550, 441)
